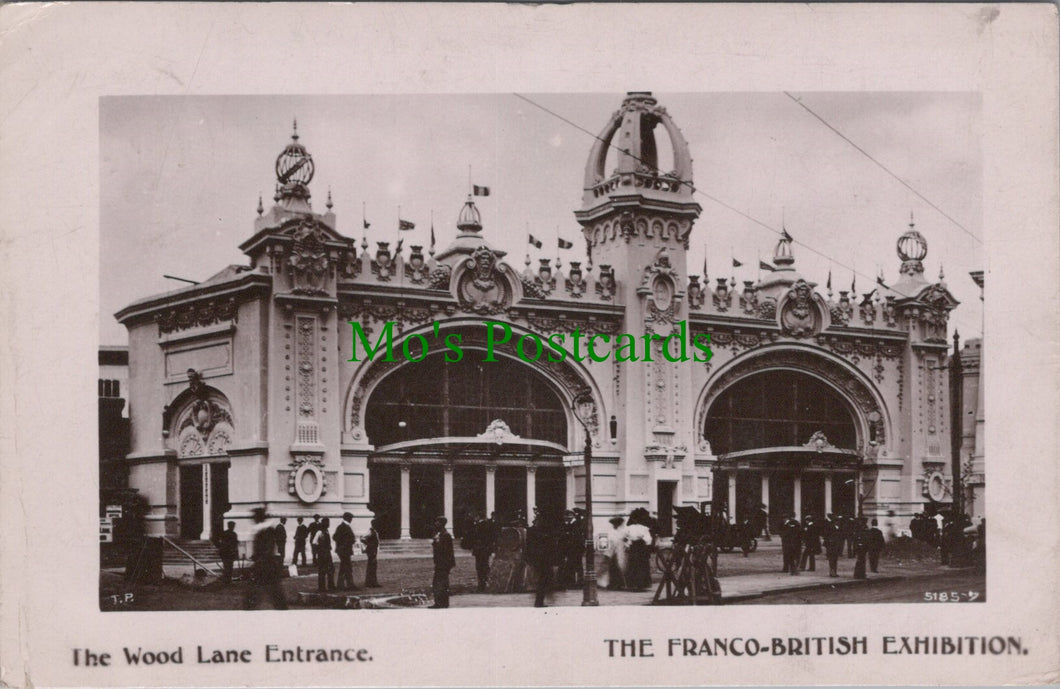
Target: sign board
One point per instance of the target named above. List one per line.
(106, 530)
(113, 511)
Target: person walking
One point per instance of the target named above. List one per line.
(542, 546)
(861, 532)
(281, 539)
(322, 556)
(791, 543)
(811, 544)
(444, 561)
(611, 575)
(482, 547)
(371, 548)
(875, 544)
(832, 534)
(301, 535)
(344, 540)
(228, 549)
(265, 572)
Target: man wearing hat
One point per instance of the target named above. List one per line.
(344, 540)
(444, 561)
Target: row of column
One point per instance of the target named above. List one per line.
(447, 494)
(797, 491)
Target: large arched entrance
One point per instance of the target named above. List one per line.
(790, 427)
(465, 437)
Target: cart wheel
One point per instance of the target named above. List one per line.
(663, 558)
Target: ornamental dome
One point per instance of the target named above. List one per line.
(630, 133)
(294, 165)
(469, 219)
(912, 246)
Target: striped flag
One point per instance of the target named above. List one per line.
(406, 225)
(480, 191)
(736, 264)
(765, 266)
(533, 240)
(564, 244)
(367, 224)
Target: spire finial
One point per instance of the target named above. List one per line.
(329, 205)
(294, 128)
(942, 275)
(912, 225)
(261, 207)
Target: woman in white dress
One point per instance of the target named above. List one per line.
(615, 557)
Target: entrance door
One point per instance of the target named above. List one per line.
(665, 501)
(384, 495)
(219, 497)
(191, 501)
(469, 496)
(550, 490)
(510, 486)
(813, 496)
(426, 499)
(781, 500)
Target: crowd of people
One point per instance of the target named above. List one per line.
(954, 535)
(802, 542)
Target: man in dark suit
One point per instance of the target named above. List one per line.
(874, 546)
(301, 535)
(281, 539)
(371, 549)
(344, 540)
(444, 561)
(322, 556)
(811, 544)
(542, 552)
(832, 534)
(228, 549)
(482, 547)
(861, 532)
(791, 544)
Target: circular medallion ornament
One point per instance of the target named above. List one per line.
(936, 486)
(308, 483)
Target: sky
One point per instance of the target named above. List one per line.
(181, 176)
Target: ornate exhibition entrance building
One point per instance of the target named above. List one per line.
(786, 440)
(458, 438)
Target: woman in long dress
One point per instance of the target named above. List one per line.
(611, 575)
(638, 567)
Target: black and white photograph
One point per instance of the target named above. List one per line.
(628, 349)
(489, 344)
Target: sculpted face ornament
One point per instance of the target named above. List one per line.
(479, 289)
(799, 316)
(482, 262)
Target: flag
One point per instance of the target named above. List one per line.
(879, 281)
(704, 267)
(829, 284)
(406, 225)
(564, 244)
(853, 281)
(736, 264)
(765, 266)
(432, 235)
(397, 249)
(784, 234)
(367, 224)
(480, 191)
(533, 240)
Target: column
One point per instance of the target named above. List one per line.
(732, 494)
(406, 471)
(827, 493)
(531, 492)
(207, 517)
(797, 490)
(571, 487)
(447, 493)
(491, 489)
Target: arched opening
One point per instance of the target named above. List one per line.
(473, 437)
(784, 439)
(202, 431)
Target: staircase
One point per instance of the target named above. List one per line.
(417, 547)
(203, 551)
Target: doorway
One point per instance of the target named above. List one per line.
(666, 490)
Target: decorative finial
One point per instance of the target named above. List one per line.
(261, 207)
(527, 259)
(276, 197)
(294, 133)
(329, 204)
(912, 225)
(942, 275)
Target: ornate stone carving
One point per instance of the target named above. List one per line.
(383, 265)
(767, 309)
(439, 278)
(545, 282)
(498, 432)
(307, 480)
(416, 266)
(482, 289)
(575, 282)
(305, 360)
(696, 294)
(605, 284)
(309, 262)
(722, 296)
(798, 314)
(199, 314)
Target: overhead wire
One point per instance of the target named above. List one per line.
(781, 233)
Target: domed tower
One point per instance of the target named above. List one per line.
(637, 213)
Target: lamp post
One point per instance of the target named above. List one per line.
(584, 409)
